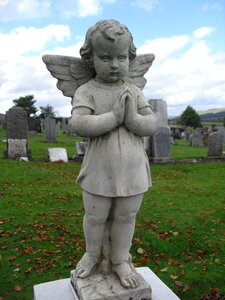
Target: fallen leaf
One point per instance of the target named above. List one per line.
(174, 277)
(140, 251)
(17, 288)
(186, 288)
(179, 283)
(164, 270)
(16, 270)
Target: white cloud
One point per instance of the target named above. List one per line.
(81, 8)
(202, 32)
(24, 9)
(148, 5)
(216, 5)
(22, 74)
(23, 40)
(184, 72)
(191, 75)
(165, 47)
(31, 9)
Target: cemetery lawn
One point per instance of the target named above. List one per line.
(180, 229)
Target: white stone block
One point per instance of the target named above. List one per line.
(57, 154)
(61, 290)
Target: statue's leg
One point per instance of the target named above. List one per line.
(96, 213)
(122, 232)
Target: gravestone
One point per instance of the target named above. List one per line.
(2, 119)
(81, 149)
(65, 125)
(215, 145)
(50, 130)
(205, 135)
(187, 134)
(222, 132)
(16, 133)
(159, 107)
(34, 124)
(196, 138)
(161, 146)
(70, 130)
(57, 154)
(58, 126)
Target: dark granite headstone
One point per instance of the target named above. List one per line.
(16, 133)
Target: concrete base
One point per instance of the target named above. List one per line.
(61, 290)
(100, 286)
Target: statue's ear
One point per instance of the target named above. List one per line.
(138, 67)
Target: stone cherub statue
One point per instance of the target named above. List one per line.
(110, 109)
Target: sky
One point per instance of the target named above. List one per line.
(186, 36)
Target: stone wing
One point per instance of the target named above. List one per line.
(138, 67)
(70, 71)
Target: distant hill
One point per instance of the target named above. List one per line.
(211, 111)
(209, 115)
(212, 115)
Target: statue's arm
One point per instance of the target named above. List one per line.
(143, 122)
(84, 123)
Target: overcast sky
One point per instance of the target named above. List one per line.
(186, 36)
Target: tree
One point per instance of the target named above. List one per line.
(190, 117)
(47, 111)
(27, 102)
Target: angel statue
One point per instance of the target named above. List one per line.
(109, 108)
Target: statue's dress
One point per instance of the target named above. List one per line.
(115, 163)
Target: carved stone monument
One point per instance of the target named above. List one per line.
(161, 145)
(215, 145)
(50, 130)
(16, 133)
(196, 138)
(109, 108)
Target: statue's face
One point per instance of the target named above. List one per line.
(111, 58)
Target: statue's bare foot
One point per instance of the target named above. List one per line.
(128, 276)
(86, 266)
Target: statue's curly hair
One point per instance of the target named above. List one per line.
(110, 29)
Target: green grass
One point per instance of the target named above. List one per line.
(180, 230)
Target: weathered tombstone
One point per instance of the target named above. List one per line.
(71, 132)
(50, 130)
(34, 124)
(205, 135)
(65, 125)
(222, 132)
(58, 126)
(2, 119)
(159, 107)
(187, 133)
(196, 138)
(16, 133)
(161, 149)
(57, 154)
(215, 145)
(81, 148)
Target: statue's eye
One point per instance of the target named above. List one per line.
(105, 58)
(122, 57)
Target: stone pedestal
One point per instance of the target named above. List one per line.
(61, 289)
(101, 287)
